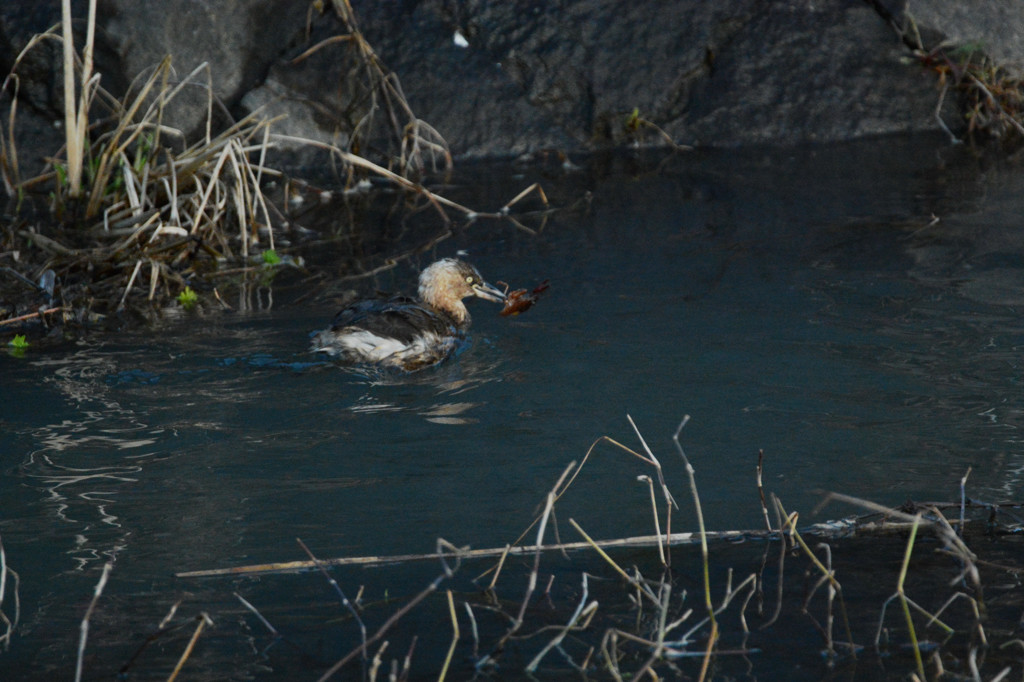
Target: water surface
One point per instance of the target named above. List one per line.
(852, 311)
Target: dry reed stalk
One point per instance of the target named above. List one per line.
(394, 618)
(687, 538)
(255, 612)
(497, 568)
(963, 497)
(107, 568)
(455, 638)
(690, 473)
(76, 107)
(604, 439)
(662, 549)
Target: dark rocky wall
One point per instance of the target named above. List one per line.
(563, 74)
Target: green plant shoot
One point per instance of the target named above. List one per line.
(188, 298)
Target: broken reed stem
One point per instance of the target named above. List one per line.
(107, 568)
(703, 532)
(760, 490)
(473, 629)
(455, 638)
(963, 499)
(657, 524)
(903, 599)
(497, 570)
(255, 612)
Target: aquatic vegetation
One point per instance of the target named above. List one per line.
(18, 345)
(188, 298)
(624, 624)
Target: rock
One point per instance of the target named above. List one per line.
(238, 40)
(507, 78)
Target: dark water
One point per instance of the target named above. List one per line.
(853, 311)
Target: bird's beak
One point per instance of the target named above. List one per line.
(489, 292)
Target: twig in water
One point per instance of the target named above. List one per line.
(266, 623)
(107, 568)
(204, 620)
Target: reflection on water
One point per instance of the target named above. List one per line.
(806, 303)
(83, 462)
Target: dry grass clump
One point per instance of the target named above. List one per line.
(991, 94)
(143, 207)
(142, 212)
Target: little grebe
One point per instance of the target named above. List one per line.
(405, 333)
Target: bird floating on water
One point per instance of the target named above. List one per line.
(406, 333)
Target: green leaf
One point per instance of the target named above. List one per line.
(270, 257)
(18, 341)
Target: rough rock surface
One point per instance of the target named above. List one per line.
(506, 78)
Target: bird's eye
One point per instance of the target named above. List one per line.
(469, 279)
